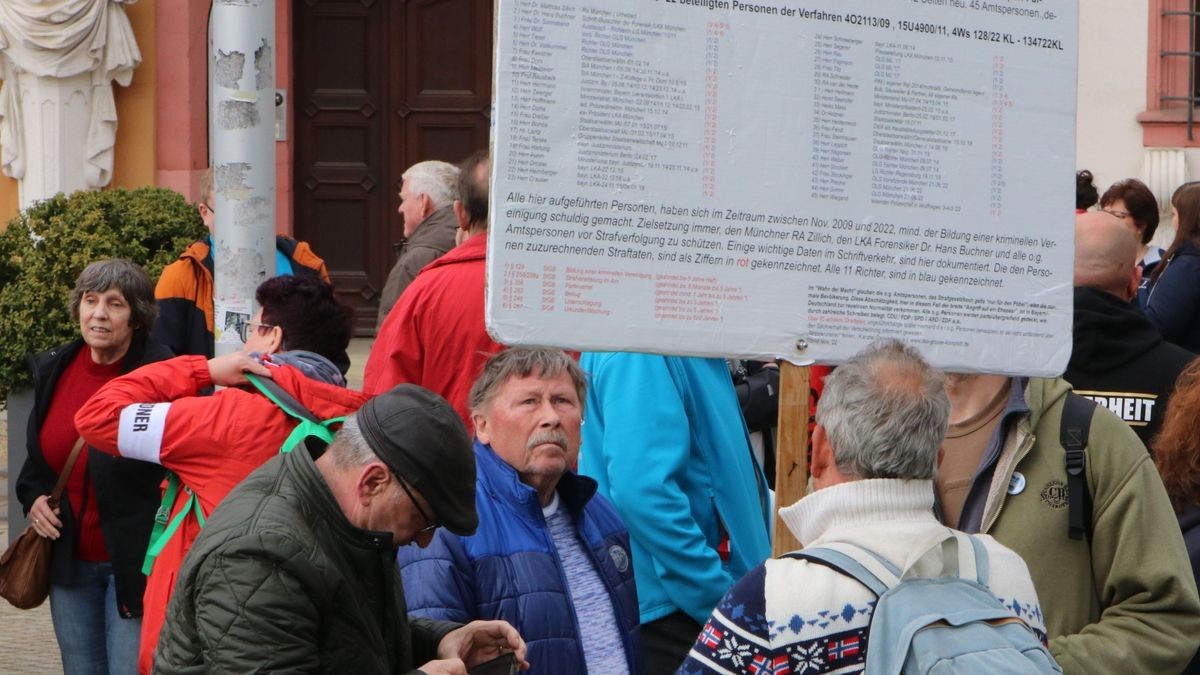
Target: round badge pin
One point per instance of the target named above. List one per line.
(1017, 485)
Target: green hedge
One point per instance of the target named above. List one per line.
(46, 246)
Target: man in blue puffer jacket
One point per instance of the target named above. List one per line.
(550, 556)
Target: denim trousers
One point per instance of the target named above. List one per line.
(92, 636)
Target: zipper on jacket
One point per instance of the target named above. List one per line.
(1022, 450)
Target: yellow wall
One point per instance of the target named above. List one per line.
(134, 162)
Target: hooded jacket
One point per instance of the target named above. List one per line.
(510, 568)
(1121, 361)
(435, 336)
(210, 442)
(281, 581)
(430, 241)
(1123, 600)
(126, 491)
(184, 294)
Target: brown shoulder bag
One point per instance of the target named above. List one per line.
(25, 566)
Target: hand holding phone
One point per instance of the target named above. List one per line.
(505, 664)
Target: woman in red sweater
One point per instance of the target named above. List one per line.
(102, 525)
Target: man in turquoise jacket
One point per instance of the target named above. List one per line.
(666, 442)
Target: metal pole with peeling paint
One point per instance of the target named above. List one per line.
(242, 120)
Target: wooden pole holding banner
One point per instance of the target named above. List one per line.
(791, 453)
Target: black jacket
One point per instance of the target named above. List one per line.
(1121, 361)
(280, 581)
(126, 491)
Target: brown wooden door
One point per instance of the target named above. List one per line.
(379, 86)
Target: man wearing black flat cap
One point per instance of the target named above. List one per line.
(295, 570)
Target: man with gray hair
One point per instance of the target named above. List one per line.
(427, 194)
(551, 556)
(875, 451)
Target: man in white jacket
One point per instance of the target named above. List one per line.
(875, 451)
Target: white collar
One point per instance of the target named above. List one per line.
(860, 502)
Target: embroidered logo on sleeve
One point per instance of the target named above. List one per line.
(140, 433)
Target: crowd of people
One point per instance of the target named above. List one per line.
(460, 514)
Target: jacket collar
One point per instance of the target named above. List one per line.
(474, 248)
(315, 491)
(860, 502)
(500, 479)
(435, 227)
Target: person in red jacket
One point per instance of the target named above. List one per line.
(434, 336)
(211, 443)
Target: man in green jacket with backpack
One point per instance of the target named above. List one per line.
(1114, 579)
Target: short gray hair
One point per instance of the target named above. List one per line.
(128, 278)
(885, 412)
(349, 448)
(437, 179)
(523, 362)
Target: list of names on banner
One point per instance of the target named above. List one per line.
(713, 177)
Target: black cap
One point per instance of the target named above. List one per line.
(422, 440)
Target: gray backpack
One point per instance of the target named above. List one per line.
(949, 624)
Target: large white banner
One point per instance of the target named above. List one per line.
(781, 179)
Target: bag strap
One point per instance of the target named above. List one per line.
(1073, 434)
(61, 484)
(164, 529)
(970, 556)
(308, 423)
(843, 563)
(280, 397)
(878, 574)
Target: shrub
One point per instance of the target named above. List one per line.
(45, 247)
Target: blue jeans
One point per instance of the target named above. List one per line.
(92, 636)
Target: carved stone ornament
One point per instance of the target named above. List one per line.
(58, 118)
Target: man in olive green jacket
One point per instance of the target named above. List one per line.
(295, 570)
(1121, 600)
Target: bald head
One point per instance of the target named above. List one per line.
(1106, 254)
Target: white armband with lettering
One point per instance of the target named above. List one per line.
(140, 433)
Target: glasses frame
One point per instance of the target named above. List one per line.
(430, 523)
(244, 329)
(1119, 214)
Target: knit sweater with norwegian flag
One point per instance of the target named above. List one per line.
(794, 617)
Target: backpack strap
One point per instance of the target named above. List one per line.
(878, 574)
(971, 555)
(1073, 434)
(843, 563)
(164, 529)
(308, 424)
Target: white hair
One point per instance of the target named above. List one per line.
(437, 179)
(885, 412)
(349, 448)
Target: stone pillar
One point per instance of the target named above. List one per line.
(58, 119)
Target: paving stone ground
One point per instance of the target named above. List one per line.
(27, 643)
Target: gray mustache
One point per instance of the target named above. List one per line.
(556, 436)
